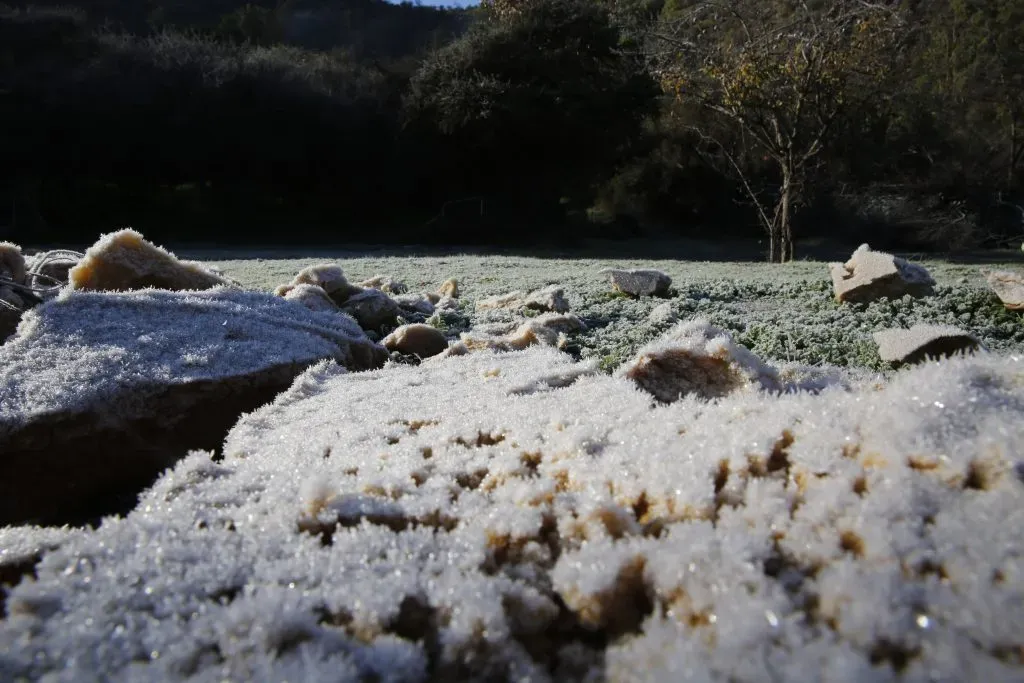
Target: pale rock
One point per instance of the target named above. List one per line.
(510, 300)
(99, 392)
(12, 263)
(417, 340)
(124, 260)
(372, 309)
(638, 282)
(550, 298)
(384, 284)
(329, 277)
(921, 342)
(1008, 286)
(662, 314)
(449, 288)
(697, 358)
(870, 275)
(549, 329)
(312, 297)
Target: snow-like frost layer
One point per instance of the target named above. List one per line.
(543, 522)
(83, 348)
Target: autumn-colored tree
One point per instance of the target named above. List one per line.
(779, 81)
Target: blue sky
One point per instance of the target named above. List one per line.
(446, 3)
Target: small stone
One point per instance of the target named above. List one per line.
(449, 288)
(870, 275)
(639, 282)
(1008, 286)
(385, 284)
(921, 342)
(417, 340)
(550, 298)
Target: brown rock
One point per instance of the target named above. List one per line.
(417, 339)
(871, 275)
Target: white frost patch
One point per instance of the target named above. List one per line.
(438, 522)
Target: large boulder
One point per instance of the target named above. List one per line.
(921, 342)
(638, 282)
(1008, 286)
(870, 275)
(124, 260)
(100, 392)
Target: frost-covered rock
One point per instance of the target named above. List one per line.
(1008, 286)
(549, 299)
(548, 329)
(662, 314)
(372, 309)
(698, 358)
(871, 275)
(385, 284)
(99, 392)
(312, 297)
(638, 282)
(920, 342)
(327, 276)
(12, 263)
(449, 288)
(545, 522)
(124, 260)
(416, 303)
(416, 339)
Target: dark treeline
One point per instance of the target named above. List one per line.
(522, 121)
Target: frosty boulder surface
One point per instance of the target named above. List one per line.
(100, 391)
(546, 522)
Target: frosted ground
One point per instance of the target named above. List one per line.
(529, 516)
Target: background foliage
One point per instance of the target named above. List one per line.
(522, 121)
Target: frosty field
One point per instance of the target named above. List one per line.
(535, 516)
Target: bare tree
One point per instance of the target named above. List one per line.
(779, 81)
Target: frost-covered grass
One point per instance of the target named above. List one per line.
(783, 313)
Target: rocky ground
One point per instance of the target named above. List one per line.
(724, 482)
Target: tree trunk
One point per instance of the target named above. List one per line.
(781, 236)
